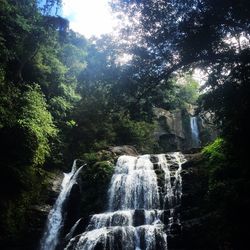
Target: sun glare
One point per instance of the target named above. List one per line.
(89, 17)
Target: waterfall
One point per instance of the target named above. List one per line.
(194, 132)
(143, 195)
(54, 222)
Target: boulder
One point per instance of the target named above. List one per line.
(124, 150)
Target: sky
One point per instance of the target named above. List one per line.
(94, 18)
(89, 17)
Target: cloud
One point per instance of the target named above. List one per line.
(89, 17)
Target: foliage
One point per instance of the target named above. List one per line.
(61, 97)
(95, 183)
(216, 159)
(15, 211)
(91, 158)
(9, 95)
(25, 145)
(100, 171)
(136, 133)
(35, 117)
(214, 151)
(96, 128)
(230, 104)
(227, 191)
(26, 126)
(181, 92)
(208, 35)
(189, 90)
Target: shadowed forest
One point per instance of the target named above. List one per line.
(66, 97)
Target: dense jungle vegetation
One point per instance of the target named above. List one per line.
(63, 96)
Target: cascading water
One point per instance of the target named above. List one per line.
(194, 132)
(54, 223)
(143, 194)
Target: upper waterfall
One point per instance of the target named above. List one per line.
(143, 194)
(194, 132)
(134, 184)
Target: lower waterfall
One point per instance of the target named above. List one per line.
(143, 196)
(54, 223)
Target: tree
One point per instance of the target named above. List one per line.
(213, 36)
(38, 90)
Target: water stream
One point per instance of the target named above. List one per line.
(194, 132)
(54, 223)
(143, 195)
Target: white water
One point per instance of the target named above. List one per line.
(134, 184)
(54, 223)
(135, 218)
(194, 132)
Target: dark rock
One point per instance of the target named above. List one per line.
(170, 142)
(118, 220)
(193, 159)
(142, 239)
(78, 228)
(118, 240)
(154, 159)
(100, 245)
(177, 209)
(160, 242)
(39, 212)
(124, 150)
(156, 166)
(186, 200)
(191, 151)
(72, 208)
(190, 213)
(139, 217)
(172, 180)
(173, 167)
(72, 244)
(165, 217)
(174, 242)
(168, 157)
(160, 179)
(187, 164)
(175, 228)
(54, 188)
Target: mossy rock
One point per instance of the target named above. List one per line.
(100, 156)
(104, 169)
(91, 158)
(106, 155)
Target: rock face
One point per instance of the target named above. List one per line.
(38, 214)
(124, 150)
(196, 230)
(175, 133)
(208, 131)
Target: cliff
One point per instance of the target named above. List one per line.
(174, 130)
